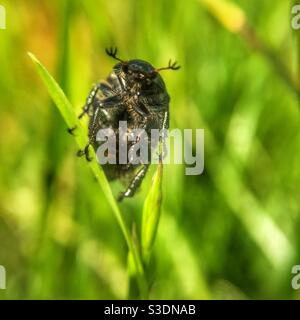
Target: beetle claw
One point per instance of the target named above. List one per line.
(171, 66)
(71, 130)
(112, 52)
(84, 152)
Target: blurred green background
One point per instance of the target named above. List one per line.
(232, 232)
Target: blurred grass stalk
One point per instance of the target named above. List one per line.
(72, 120)
(234, 19)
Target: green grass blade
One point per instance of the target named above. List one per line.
(67, 112)
(151, 214)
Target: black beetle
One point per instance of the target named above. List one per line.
(133, 92)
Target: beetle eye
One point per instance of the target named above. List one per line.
(125, 68)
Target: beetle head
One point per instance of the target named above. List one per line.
(140, 70)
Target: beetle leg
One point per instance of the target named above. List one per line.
(162, 154)
(71, 130)
(109, 102)
(165, 126)
(135, 183)
(90, 99)
(141, 110)
(112, 52)
(85, 152)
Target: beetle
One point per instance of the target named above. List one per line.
(134, 92)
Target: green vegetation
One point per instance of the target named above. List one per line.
(232, 232)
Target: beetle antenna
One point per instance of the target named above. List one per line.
(171, 66)
(112, 52)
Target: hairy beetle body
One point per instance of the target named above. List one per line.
(133, 92)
